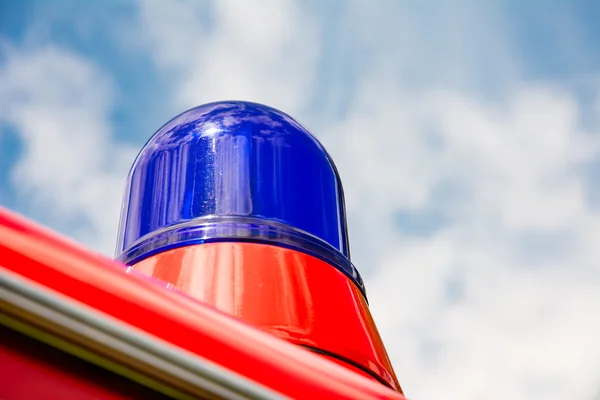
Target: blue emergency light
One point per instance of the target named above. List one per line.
(235, 171)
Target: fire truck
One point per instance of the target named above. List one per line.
(232, 278)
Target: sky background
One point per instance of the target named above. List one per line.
(466, 133)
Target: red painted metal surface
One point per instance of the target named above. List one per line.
(38, 255)
(32, 370)
(292, 295)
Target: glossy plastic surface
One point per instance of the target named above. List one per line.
(62, 266)
(292, 295)
(234, 171)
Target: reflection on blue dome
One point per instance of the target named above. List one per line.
(234, 171)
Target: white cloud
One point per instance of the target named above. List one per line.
(502, 300)
(263, 52)
(71, 170)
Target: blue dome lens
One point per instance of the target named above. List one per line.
(234, 171)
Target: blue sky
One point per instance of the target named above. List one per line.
(466, 134)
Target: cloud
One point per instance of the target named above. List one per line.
(233, 50)
(490, 289)
(71, 171)
(501, 299)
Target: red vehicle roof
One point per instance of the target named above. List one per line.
(41, 266)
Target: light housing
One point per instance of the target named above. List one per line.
(238, 206)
